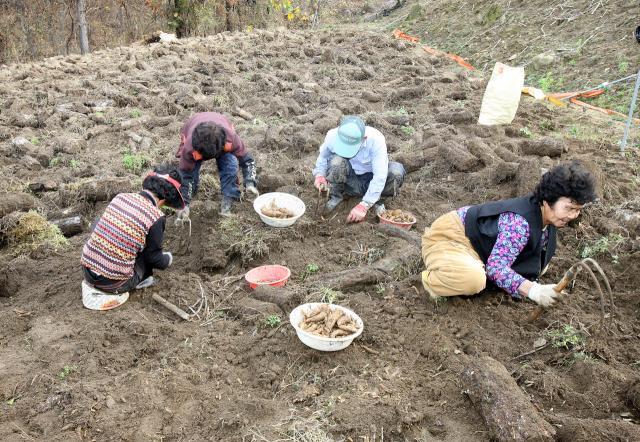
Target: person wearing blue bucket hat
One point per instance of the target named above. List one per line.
(353, 160)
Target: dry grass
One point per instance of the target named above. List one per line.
(252, 241)
(324, 294)
(208, 186)
(297, 429)
(25, 232)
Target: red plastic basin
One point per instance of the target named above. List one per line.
(268, 275)
(405, 226)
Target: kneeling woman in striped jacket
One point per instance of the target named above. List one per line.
(126, 241)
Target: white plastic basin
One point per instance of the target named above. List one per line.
(319, 342)
(283, 200)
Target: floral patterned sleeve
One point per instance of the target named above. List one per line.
(462, 213)
(513, 234)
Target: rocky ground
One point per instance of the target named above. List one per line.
(76, 130)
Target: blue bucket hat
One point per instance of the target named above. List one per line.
(350, 137)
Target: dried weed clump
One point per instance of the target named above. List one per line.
(298, 429)
(208, 185)
(26, 232)
(251, 241)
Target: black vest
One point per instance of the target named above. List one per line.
(481, 227)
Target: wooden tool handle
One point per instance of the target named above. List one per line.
(171, 307)
(538, 311)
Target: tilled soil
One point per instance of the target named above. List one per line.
(73, 130)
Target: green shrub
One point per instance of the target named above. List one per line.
(134, 162)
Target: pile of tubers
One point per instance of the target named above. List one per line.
(328, 323)
(397, 216)
(274, 211)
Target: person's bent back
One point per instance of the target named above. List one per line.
(505, 244)
(126, 241)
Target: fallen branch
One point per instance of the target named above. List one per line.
(368, 350)
(171, 307)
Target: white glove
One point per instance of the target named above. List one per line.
(544, 294)
(169, 255)
(182, 215)
(253, 190)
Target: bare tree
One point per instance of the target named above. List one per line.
(82, 27)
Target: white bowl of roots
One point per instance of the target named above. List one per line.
(332, 332)
(279, 209)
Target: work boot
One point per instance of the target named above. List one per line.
(333, 202)
(379, 208)
(146, 283)
(227, 205)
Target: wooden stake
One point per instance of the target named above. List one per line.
(171, 307)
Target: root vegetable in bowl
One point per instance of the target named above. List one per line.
(274, 211)
(325, 327)
(279, 209)
(397, 218)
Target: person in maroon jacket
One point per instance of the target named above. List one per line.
(210, 135)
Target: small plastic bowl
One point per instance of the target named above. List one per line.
(319, 342)
(273, 275)
(405, 226)
(284, 201)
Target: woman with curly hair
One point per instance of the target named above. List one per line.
(505, 244)
(126, 241)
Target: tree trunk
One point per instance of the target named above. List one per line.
(104, 189)
(12, 202)
(587, 430)
(395, 267)
(82, 27)
(391, 230)
(508, 413)
(69, 226)
(417, 158)
(180, 24)
(284, 298)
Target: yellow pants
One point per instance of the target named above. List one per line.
(453, 266)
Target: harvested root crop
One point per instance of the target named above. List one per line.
(328, 323)
(397, 216)
(273, 211)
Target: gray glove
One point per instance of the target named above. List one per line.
(170, 257)
(182, 215)
(544, 295)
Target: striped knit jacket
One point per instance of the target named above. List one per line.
(119, 235)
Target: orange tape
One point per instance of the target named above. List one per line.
(590, 94)
(460, 61)
(400, 34)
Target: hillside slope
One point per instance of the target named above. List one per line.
(76, 130)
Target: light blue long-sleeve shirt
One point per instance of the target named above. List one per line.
(372, 157)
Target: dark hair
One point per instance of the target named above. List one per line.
(208, 139)
(570, 180)
(162, 188)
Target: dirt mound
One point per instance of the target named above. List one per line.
(95, 125)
